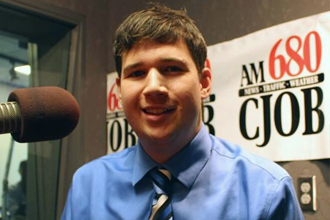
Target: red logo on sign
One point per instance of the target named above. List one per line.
(297, 60)
(113, 99)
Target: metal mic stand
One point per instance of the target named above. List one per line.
(5, 182)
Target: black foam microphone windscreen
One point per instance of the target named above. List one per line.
(39, 114)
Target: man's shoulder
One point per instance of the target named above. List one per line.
(251, 162)
(109, 163)
(263, 185)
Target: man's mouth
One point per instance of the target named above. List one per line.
(157, 111)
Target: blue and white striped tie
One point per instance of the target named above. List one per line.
(162, 210)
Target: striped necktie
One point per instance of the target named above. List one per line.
(162, 210)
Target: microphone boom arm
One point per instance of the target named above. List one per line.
(5, 181)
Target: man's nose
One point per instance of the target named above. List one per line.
(155, 84)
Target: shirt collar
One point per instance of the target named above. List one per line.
(184, 166)
(142, 164)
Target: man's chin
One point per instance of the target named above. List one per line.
(159, 135)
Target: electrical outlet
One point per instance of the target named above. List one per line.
(307, 193)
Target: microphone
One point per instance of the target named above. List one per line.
(39, 114)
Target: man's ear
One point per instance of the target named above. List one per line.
(118, 87)
(206, 82)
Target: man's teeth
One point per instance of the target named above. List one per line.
(156, 111)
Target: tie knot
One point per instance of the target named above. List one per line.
(162, 178)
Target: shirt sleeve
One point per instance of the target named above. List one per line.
(285, 205)
(66, 215)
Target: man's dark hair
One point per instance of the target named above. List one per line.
(161, 25)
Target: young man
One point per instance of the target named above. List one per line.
(162, 79)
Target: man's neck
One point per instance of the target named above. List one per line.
(162, 150)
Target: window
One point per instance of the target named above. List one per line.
(42, 44)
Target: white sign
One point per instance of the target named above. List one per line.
(272, 90)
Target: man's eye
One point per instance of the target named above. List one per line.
(172, 69)
(136, 74)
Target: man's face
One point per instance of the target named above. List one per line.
(161, 94)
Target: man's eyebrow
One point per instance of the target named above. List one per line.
(173, 59)
(131, 66)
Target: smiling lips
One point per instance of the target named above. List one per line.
(157, 111)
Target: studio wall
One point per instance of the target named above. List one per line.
(218, 20)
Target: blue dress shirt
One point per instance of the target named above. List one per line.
(213, 180)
